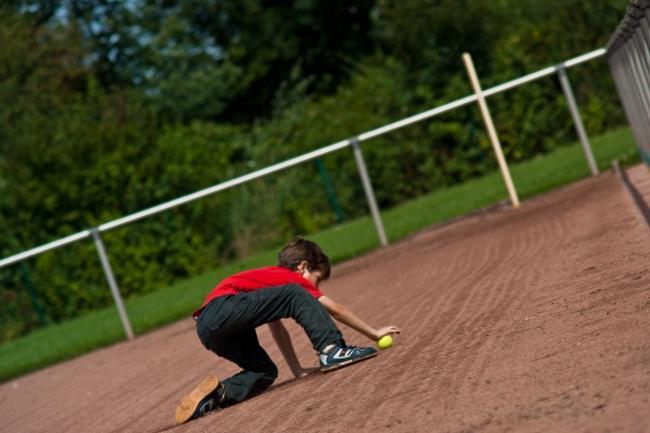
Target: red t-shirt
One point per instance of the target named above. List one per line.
(255, 279)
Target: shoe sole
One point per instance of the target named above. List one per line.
(191, 401)
(346, 363)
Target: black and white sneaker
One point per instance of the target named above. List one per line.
(207, 396)
(340, 356)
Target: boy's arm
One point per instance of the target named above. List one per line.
(283, 340)
(344, 315)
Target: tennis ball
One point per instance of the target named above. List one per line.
(385, 342)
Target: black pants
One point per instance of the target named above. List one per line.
(227, 325)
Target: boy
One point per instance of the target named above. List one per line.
(227, 320)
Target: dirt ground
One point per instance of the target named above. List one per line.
(528, 320)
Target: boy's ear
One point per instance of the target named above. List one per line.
(303, 266)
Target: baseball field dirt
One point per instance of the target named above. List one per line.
(528, 320)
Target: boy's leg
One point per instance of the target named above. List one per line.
(233, 314)
(258, 371)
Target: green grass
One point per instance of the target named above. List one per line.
(100, 328)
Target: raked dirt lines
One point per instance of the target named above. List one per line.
(528, 320)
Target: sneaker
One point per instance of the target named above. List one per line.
(207, 396)
(340, 356)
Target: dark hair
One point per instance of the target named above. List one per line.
(299, 250)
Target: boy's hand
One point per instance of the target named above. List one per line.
(385, 331)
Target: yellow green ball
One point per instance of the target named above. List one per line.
(385, 342)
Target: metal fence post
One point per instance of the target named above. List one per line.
(489, 126)
(577, 120)
(367, 187)
(110, 278)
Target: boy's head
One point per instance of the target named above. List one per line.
(301, 253)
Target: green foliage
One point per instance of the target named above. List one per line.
(534, 118)
(75, 156)
(429, 37)
(270, 43)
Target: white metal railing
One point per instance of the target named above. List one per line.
(628, 55)
(353, 143)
